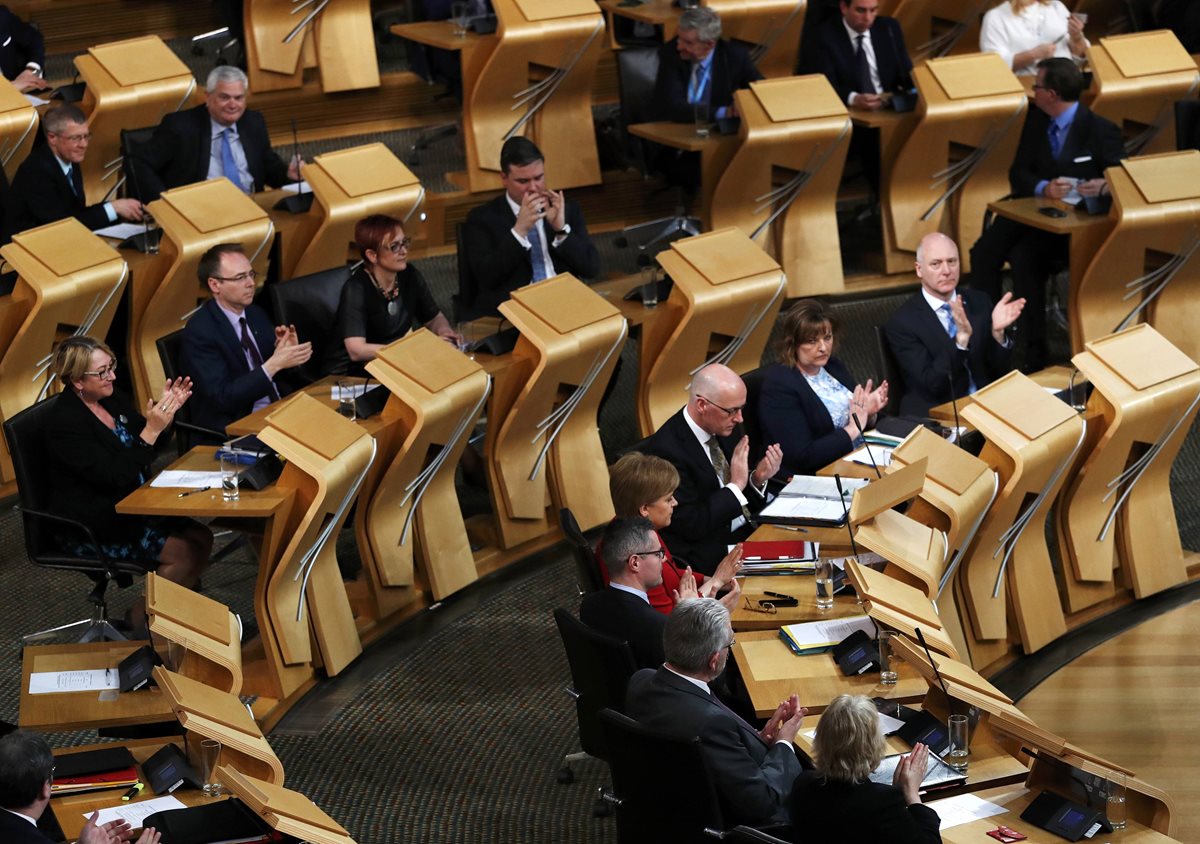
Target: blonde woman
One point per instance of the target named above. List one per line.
(1024, 32)
(836, 802)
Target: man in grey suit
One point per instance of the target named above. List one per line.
(753, 769)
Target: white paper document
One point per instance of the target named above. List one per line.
(35, 100)
(956, 811)
(889, 724)
(294, 187)
(134, 813)
(182, 479)
(120, 231)
(824, 634)
(55, 682)
(350, 391)
(883, 456)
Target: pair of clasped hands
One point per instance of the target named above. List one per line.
(541, 205)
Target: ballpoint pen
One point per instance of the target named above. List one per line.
(194, 491)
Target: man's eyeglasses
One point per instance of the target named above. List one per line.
(109, 371)
(732, 411)
(246, 276)
(661, 553)
(74, 139)
(732, 642)
(396, 246)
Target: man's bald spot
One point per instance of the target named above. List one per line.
(929, 239)
(714, 380)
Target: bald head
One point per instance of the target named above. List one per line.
(716, 398)
(937, 265)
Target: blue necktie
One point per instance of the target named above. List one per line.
(535, 254)
(952, 330)
(1055, 141)
(228, 165)
(697, 83)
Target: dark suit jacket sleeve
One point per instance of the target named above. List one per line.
(758, 790)
(793, 416)
(100, 471)
(923, 370)
(230, 389)
(40, 194)
(670, 86)
(494, 256)
(700, 510)
(27, 44)
(576, 252)
(1090, 135)
(824, 58)
(915, 824)
(268, 169)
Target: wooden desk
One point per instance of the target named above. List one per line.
(72, 809)
(614, 291)
(803, 587)
(771, 672)
(1056, 377)
(835, 542)
(86, 710)
(322, 391)
(894, 129)
(662, 13)
(715, 153)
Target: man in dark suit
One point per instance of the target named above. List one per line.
(237, 360)
(633, 556)
(698, 66)
(49, 183)
(1082, 146)
(753, 770)
(527, 234)
(22, 52)
(26, 771)
(220, 138)
(717, 491)
(863, 55)
(948, 342)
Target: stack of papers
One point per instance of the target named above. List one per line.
(778, 557)
(814, 637)
(937, 773)
(956, 811)
(882, 455)
(812, 498)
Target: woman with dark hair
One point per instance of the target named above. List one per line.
(101, 450)
(383, 299)
(810, 404)
(837, 801)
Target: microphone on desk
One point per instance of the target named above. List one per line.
(143, 244)
(954, 407)
(846, 512)
(866, 445)
(936, 673)
(296, 203)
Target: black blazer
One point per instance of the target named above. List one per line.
(832, 54)
(497, 264)
(753, 780)
(14, 830)
(92, 470)
(929, 359)
(699, 530)
(860, 813)
(1091, 137)
(792, 415)
(20, 44)
(41, 194)
(732, 68)
(224, 386)
(178, 153)
(628, 618)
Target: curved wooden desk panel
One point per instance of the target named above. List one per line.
(773, 26)
(1032, 437)
(348, 185)
(327, 459)
(726, 296)
(271, 62)
(543, 440)
(1143, 416)
(130, 84)
(193, 218)
(345, 43)
(1136, 80)
(780, 188)
(18, 129)
(537, 82)
(414, 514)
(207, 629)
(1155, 242)
(287, 812)
(934, 28)
(68, 282)
(956, 160)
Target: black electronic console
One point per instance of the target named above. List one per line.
(1064, 817)
(928, 730)
(167, 770)
(856, 654)
(136, 670)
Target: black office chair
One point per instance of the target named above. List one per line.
(637, 69)
(311, 303)
(463, 302)
(663, 788)
(886, 364)
(600, 670)
(1187, 124)
(170, 348)
(45, 532)
(750, 421)
(587, 571)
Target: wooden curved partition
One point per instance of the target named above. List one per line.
(1136, 79)
(130, 84)
(722, 308)
(1148, 269)
(347, 185)
(413, 519)
(273, 62)
(935, 28)
(286, 812)
(68, 282)
(543, 443)
(537, 82)
(772, 26)
(956, 160)
(193, 218)
(780, 188)
(335, 37)
(18, 129)
(211, 633)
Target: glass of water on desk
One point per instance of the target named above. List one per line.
(229, 474)
(824, 581)
(345, 398)
(959, 752)
(1114, 800)
(460, 14)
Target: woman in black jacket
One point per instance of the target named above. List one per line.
(101, 449)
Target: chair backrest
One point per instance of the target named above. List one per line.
(1187, 124)
(637, 70)
(310, 303)
(890, 370)
(642, 763)
(587, 569)
(463, 301)
(26, 437)
(131, 141)
(754, 381)
(600, 670)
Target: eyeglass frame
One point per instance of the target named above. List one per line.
(104, 371)
(660, 552)
(249, 275)
(396, 245)
(729, 411)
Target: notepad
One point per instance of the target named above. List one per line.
(134, 813)
(57, 682)
(965, 808)
(812, 637)
(812, 498)
(182, 479)
(883, 456)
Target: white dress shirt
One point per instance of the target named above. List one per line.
(869, 49)
(1008, 33)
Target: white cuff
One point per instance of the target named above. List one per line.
(524, 241)
(737, 493)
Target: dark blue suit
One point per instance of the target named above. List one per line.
(20, 44)
(731, 69)
(41, 194)
(628, 618)
(14, 830)
(833, 55)
(225, 387)
(793, 415)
